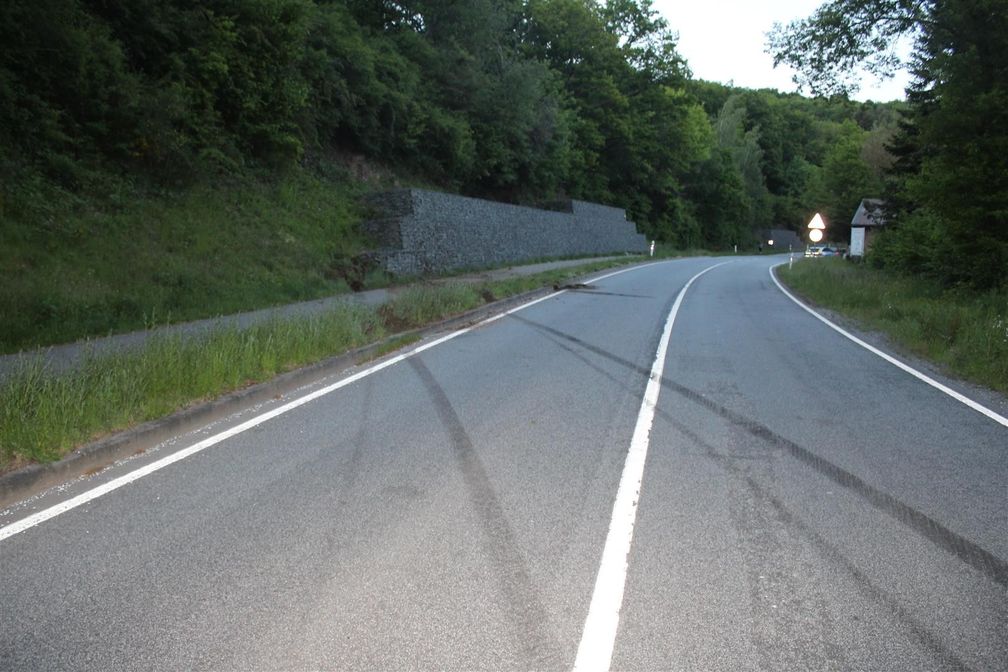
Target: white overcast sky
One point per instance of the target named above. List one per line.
(725, 41)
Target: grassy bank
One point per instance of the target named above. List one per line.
(43, 416)
(965, 332)
(127, 256)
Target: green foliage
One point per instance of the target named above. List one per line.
(717, 189)
(149, 148)
(73, 270)
(65, 86)
(422, 304)
(847, 179)
(948, 187)
(521, 101)
(827, 49)
(44, 415)
(636, 133)
(961, 120)
(743, 147)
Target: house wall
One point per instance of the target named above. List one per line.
(867, 235)
(421, 231)
(857, 241)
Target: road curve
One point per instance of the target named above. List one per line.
(804, 504)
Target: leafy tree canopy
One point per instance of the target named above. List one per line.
(829, 49)
(521, 100)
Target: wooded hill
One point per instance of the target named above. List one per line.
(107, 104)
(519, 101)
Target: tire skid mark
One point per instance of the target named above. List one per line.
(975, 556)
(528, 617)
(945, 657)
(362, 437)
(980, 559)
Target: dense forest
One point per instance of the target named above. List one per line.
(172, 159)
(519, 100)
(947, 189)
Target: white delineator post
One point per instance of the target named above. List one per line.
(652, 248)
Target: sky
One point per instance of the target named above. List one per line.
(725, 41)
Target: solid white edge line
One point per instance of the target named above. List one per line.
(976, 406)
(602, 623)
(46, 514)
(627, 270)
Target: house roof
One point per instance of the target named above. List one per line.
(869, 213)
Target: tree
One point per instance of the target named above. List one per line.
(512, 103)
(948, 191)
(961, 120)
(846, 179)
(648, 44)
(827, 49)
(635, 131)
(743, 147)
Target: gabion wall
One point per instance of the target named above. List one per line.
(422, 231)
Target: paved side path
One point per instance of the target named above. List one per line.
(63, 357)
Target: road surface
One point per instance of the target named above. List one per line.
(789, 501)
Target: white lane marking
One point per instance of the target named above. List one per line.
(115, 484)
(599, 635)
(976, 406)
(85, 497)
(627, 270)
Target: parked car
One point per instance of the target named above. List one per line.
(828, 252)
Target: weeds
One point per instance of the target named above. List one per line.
(422, 304)
(43, 416)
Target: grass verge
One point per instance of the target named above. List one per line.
(421, 304)
(967, 333)
(114, 263)
(45, 415)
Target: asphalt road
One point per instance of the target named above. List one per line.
(804, 505)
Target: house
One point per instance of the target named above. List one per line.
(868, 219)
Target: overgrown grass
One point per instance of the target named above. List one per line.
(422, 304)
(116, 261)
(44, 415)
(963, 331)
